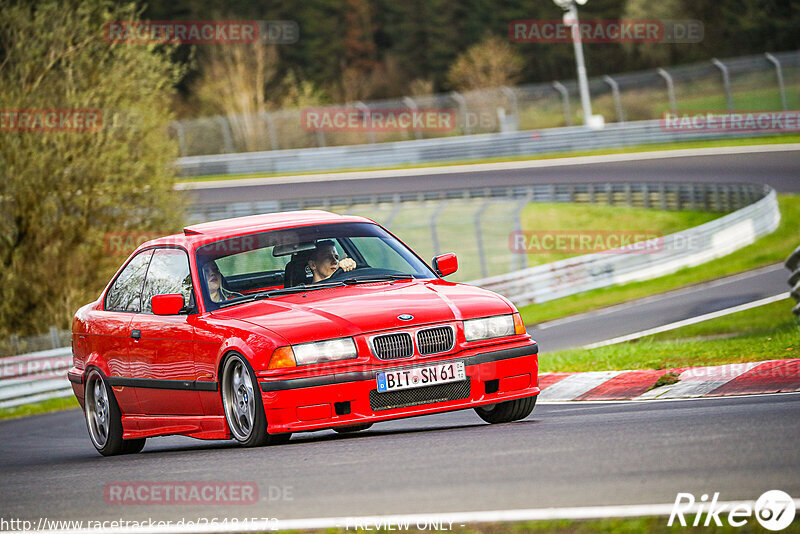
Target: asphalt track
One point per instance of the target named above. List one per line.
(781, 170)
(560, 456)
(658, 310)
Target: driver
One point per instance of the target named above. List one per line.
(324, 261)
(213, 277)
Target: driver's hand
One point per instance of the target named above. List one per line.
(347, 264)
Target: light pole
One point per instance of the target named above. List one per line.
(570, 8)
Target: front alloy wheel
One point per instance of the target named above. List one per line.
(244, 410)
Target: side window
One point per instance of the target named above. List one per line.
(168, 273)
(125, 294)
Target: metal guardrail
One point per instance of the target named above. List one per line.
(468, 147)
(659, 257)
(35, 377)
(793, 264)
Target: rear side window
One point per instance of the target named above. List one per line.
(168, 273)
(126, 292)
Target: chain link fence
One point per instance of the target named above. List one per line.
(749, 83)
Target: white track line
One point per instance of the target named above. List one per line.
(686, 322)
(445, 521)
(488, 167)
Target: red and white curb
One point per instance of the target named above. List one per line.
(773, 376)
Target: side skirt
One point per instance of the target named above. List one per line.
(148, 426)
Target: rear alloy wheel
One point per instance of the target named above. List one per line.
(244, 410)
(352, 428)
(508, 411)
(104, 420)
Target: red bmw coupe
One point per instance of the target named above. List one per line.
(258, 327)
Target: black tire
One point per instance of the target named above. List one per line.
(508, 411)
(133, 446)
(242, 405)
(103, 417)
(352, 428)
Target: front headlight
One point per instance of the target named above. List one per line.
(488, 328)
(325, 351)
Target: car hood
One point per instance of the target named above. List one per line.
(352, 310)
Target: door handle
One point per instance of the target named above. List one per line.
(136, 334)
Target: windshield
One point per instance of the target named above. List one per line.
(283, 262)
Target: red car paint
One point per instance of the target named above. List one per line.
(166, 379)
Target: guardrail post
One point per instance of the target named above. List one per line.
(609, 194)
(615, 95)
(646, 195)
(396, 207)
(320, 137)
(227, 136)
(558, 86)
(365, 110)
(592, 199)
(726, 82)
(434, 233)
(410, 104)
(779, 71)
(673, 102)
(462, 108)
(273, 134)
(479, 238)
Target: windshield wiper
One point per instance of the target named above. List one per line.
(376, 278)
(295, 289)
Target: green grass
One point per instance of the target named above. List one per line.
(765, 333)
(52, 405)
(770, 249)
(745, 141)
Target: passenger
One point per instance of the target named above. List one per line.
(324, 261)
(214, 281)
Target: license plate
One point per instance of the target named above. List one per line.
(416, 377)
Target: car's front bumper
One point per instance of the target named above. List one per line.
(494, 374)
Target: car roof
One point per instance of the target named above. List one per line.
(199, 234)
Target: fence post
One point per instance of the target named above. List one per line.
(673, 103)
(479, 238)
(227, 136)
(365, 110)
(512, 97)
(181, 138)
(273, 134)
(434, 234)
(779, 71)
(558, 86)
(54, 337)
(615, 95)
(410, 104)
(726, 82)
(523, 256)
(462, 107)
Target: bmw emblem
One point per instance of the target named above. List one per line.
(405, 317)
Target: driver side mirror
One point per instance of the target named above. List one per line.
(169, 304)
(445, 264)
